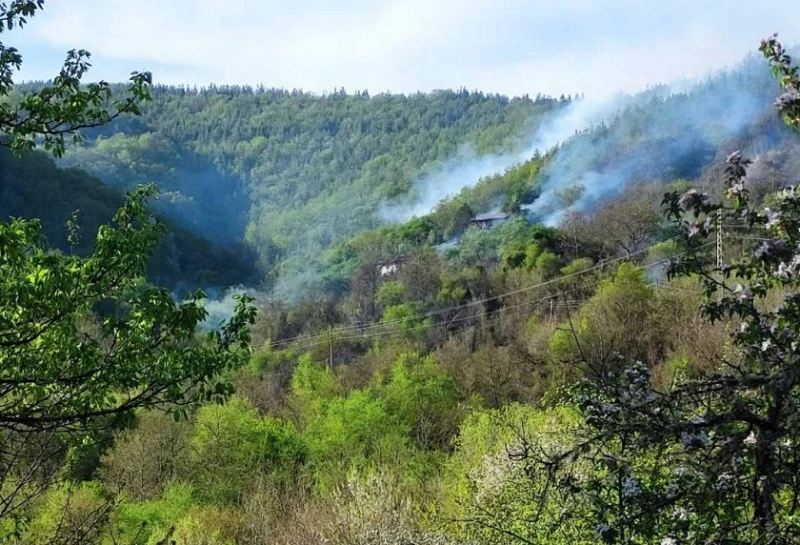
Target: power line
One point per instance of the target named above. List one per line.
(477, 301)
(739, 226)
(384, 333)
(754, 238)
(459, 319)
(286, 342)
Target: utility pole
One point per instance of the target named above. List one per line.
(719, 240)
(330, 347)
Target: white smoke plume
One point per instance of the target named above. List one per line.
(666, 133)
(662, 133)
(467, 168)
(221, 305)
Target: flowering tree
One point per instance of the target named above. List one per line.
(787, 103)
(713, 459)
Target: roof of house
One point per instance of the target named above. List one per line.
(392, 261)
(491, 217)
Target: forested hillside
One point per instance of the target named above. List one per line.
(32, 186)
(291, 172)
(611, 357)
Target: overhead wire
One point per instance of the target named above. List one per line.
(327, 337)
(476, 302)
(365, 334)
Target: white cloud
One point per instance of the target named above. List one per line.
(509, 46)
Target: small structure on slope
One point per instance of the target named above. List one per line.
(484, 221)
(391, 266)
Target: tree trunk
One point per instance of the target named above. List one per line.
(764, 485)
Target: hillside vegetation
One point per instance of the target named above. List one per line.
(627, 374)
(293, 174)
(32, 186)
(290, 172)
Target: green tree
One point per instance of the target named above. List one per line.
(390, 294)
(352, 433)
(616, 322)
(712, 459)
(84, 340)
(548, 264)
(64, 107)
(422, 396)
(312, 388)
(233, 446)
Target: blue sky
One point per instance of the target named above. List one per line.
(507, 46)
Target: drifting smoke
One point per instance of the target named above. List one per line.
(604, 146)
(466, 169)
(664, 134)
(221, 306)
(463, 170)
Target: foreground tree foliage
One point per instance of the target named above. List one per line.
(85, 341)
(526, 385)
(62, 367)
(707, 460)
(55, 112)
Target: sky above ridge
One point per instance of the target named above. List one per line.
(513, 47)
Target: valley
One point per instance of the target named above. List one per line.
(242, 315)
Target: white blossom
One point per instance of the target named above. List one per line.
(631, 487)
(681, 514)
(682, 471)
(772, 217)
(743, 292)
(725, 481)
(602, 529)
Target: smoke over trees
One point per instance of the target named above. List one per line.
(450, 381)
(292, 174)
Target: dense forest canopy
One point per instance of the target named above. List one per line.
(627, 374)
(32, 186)
(290, 172)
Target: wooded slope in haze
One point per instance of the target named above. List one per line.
(291, 172)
